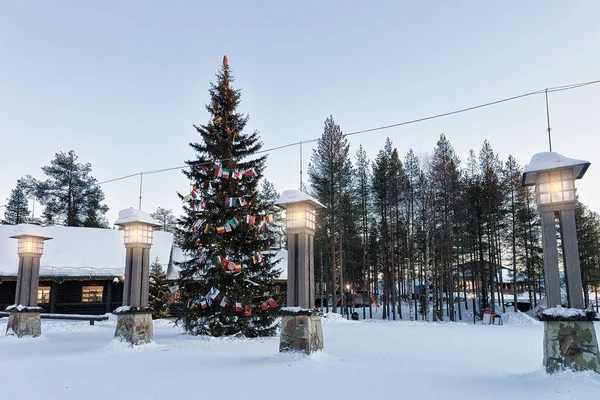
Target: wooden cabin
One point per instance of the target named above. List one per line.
(81, 270)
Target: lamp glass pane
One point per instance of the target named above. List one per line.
(568, 184)
(569, 195)
(555, 176)
(567, 174)
(30, 245)
(543, 177)
(545, 198)
(138, 233)
(557, 197)
(544, 187)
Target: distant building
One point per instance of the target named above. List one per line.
(81, 270)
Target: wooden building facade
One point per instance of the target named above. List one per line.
(70, 295)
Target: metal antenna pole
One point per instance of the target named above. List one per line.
(548, 118)
(300, 166)
(141, 182)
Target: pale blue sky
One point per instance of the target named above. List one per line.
(121, 83)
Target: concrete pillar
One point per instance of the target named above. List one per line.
(26, 322)
(135, 325)
(573, 269)
(137, 277)
(300, 285)
(28, 279)
(551, 275)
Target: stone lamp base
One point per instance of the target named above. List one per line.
(25, 322)
(134, 327)
(570, 345)
(301, 330)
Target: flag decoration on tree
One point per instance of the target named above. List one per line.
(224, 229)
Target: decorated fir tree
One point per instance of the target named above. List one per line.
(227, 282)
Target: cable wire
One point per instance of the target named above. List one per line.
(413, 121)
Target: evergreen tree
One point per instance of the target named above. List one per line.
(159, 297)
(224, 229)
(71, 196)
(444, 175)
(330, 175)
(166, 218)
(268, 194)
(17, 210)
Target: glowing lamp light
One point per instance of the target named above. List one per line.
(554, 178)
(300, 210)
(30, 240)
(138, 233)
(138, 227)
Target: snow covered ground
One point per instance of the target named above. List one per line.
(369, 359)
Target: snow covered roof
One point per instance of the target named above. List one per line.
(551, 160)
(295, 196)
(80, 252)
(133, 215)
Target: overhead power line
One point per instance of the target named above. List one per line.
(413, 121)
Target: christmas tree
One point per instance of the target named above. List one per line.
(227, 282)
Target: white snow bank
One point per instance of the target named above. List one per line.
(335, 318)
(518, 318)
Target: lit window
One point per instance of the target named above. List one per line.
(43, 295)
(91, 294)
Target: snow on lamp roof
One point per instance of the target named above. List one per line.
(29, 230)
(551, 160)
(130, 215)
(295, 196)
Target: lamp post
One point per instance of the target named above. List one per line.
(301, 325)
(24, 319)
(569, 342)
(134, 323)
(474, 312)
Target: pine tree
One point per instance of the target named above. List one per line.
(224, 229)
(71, 196)
(330, 175)
(17, 210)
(268, 194)
(159, 297)
(166, 218)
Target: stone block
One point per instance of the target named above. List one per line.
(134, 327)
(570, 345)
(24, 323)
(301, 333)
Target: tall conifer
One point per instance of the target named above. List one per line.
(227, 282)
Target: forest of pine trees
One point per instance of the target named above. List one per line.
(412, 232)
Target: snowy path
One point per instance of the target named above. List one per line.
(369, 360)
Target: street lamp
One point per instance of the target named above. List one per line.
(134, 323)
(24, 319)
(554, 178)
(301, 325)
(569, 342)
